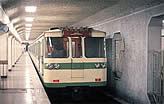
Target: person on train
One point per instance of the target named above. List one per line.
(58, 49)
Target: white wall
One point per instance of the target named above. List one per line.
(133, 25)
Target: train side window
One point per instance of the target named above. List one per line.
(76, 47)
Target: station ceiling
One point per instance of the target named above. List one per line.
(52, 13)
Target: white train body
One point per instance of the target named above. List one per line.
(67, 58)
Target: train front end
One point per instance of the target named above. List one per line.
(74, 58)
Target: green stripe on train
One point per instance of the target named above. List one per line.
(90, 84)
(75, 65)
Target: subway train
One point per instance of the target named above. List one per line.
(70, 57)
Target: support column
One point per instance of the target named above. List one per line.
(4, 55)
(13, 52)
(10, 53)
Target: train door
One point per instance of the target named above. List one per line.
(77, 61)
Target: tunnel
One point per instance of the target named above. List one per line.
(82, 51)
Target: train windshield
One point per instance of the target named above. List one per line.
(94, 47)
(56, 47)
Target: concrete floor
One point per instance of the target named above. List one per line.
(23, 85)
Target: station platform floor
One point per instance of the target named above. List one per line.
(22, 85)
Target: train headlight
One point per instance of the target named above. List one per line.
(56, 66)
(50, 66)
(103, 65)
(97, 65)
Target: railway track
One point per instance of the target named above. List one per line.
(92, 98)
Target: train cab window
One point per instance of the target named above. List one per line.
(76, 47)
(94, 47)
(56, 47)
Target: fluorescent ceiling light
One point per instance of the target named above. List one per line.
(27, 35)
(28, 29)
(30, 9)
(162, 32)
(28, 32)
(28, 25)
(29, 19)
(163, 21)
